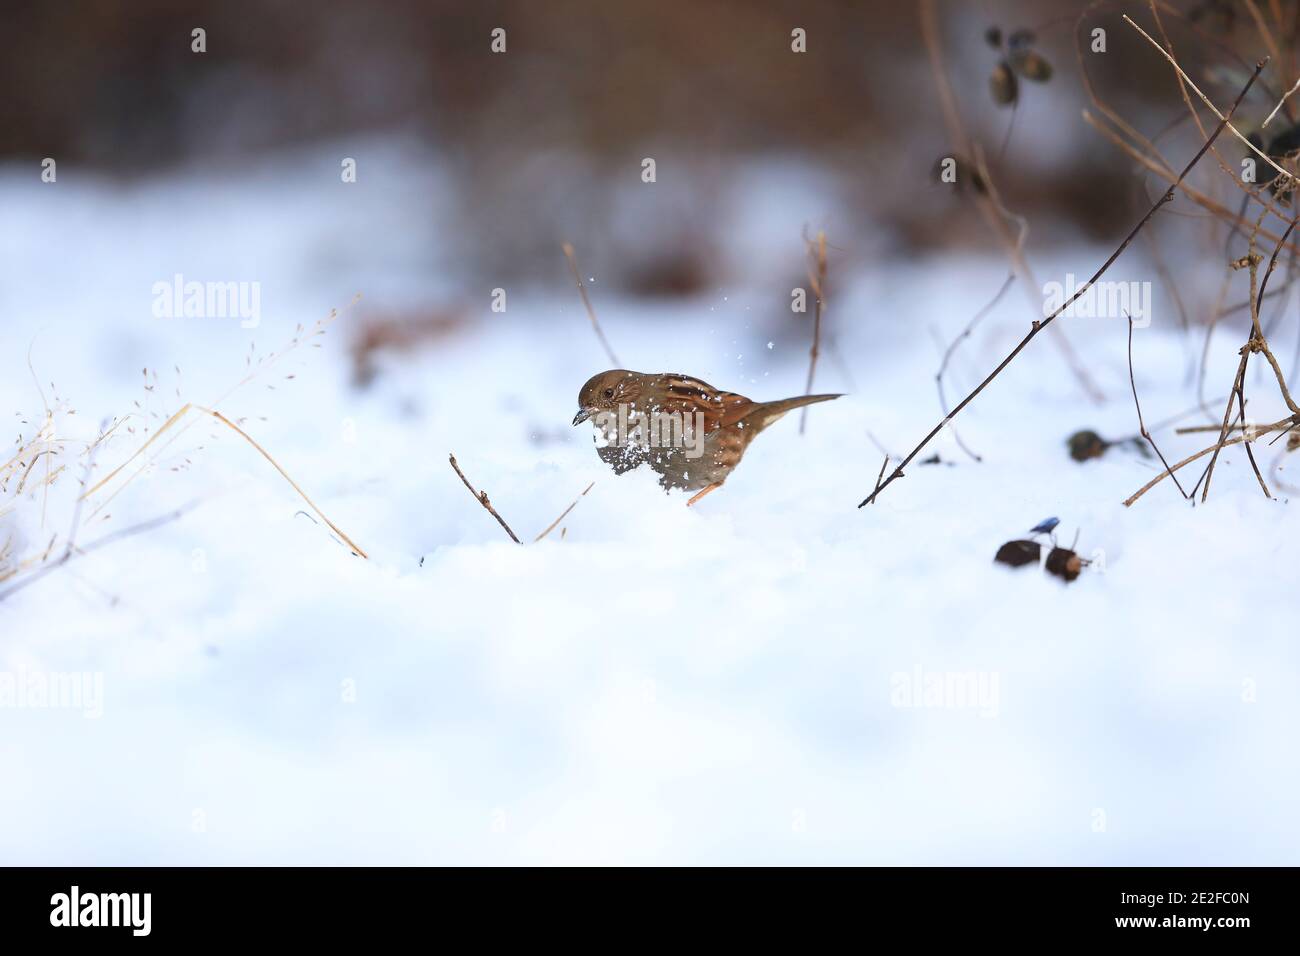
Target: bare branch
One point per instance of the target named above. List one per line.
(817, 278)
(1142, 427)
(591, 313)
(482, 498)
(1039, 325)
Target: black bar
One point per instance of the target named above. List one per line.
(927, 905)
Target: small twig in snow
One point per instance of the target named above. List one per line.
(482, 498)
(551, 526)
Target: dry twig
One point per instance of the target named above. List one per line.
(1142, 426)
(995, 215)
(178, 416)
(1039, 325)
(482, 498)
(817, 279)
(952, 347)
(95, 545)
(591, 313)
(551, 527)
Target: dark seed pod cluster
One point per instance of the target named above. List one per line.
(1086, 444)
(1063, 563)
(1018, 553)
(1019, 60)
(1032, 66)
(1003, 85)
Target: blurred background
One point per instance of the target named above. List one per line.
(487, 161)
(545, 141)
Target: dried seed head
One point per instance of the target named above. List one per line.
(1032, 66)
(1086, 444)
(1064, 563)
(1019, 553)
(1003, 84)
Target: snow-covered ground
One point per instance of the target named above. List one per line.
(730, 683)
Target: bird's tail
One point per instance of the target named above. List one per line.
(768, 412)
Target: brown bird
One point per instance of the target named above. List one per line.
(691, 433)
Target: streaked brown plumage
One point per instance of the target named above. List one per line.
(729, 423)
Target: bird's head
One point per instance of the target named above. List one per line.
(606, 391)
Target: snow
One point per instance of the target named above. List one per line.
(658, 685)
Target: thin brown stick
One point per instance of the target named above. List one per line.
(284, 474)
(1038, 325)
(1183, 83)
(1255, 343)
(482, 498)
(1258, 342)
(591, 313)
(817, 279)
(1234, 396)
(1269, 40)
(1200, 429)
(551, 527)
(1142, 426)
(1257, 431)
(1217, 209)
(883, 465)
(82, 550)
(995, 215)
(952, 348)
(77, 505)
(178, 416)
(1206, 100)
(1285, 97)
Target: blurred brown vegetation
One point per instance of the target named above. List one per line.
(540, 140)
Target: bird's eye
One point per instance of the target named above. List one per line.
(609, 393)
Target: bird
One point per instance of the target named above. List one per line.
(692, 434)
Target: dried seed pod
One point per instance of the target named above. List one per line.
(1003, 84)
(1019, 553)
(1032, 66)
(1086, 444)
(1064, 563)
(965, 172)
(993, 37)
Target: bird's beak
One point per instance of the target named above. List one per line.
(582, 416)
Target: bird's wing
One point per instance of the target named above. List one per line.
(682, 393)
